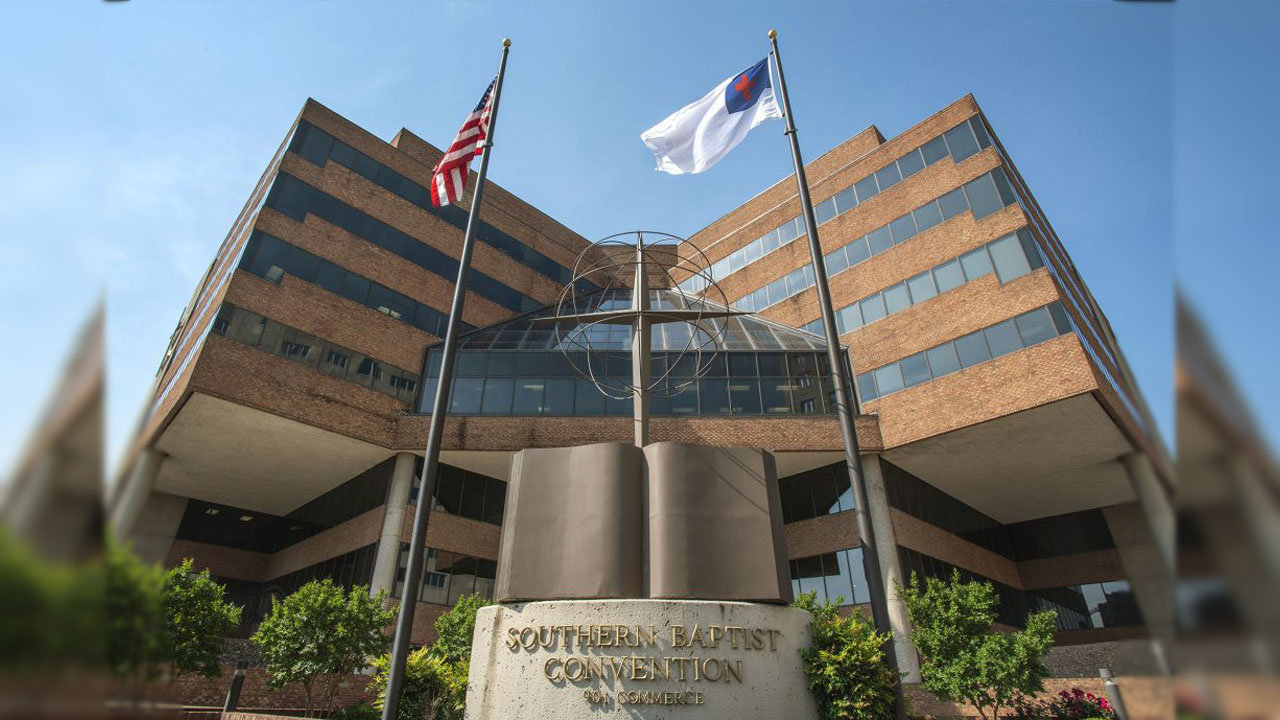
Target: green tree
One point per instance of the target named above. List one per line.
(435, 679)
(845, 664)
(321, 630)
(964, 659)
(198, 618)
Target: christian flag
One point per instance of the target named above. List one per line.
(696, 136)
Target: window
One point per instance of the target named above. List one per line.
(927, 216)
(922, 287)
(976, 264)
(872, 309)
(845, 200)
(889, 378)
(915, 370)
(848, 318)
(1003, 338)
(1035, 327)
(961, 142)
(880, 240)
(528, 396)
(836, 262)
(904, 228)
(714, 396)
(293, 349)
(948, 276)
(744, 396)
(867, 387)
(982, 196)
(1009, 258)
(466, 396)
(825, 210)
(866, 188)
(934, 150)
(953, 203)
(972, 349)
(888, 176)
(857, 251)
(896, 298)
(910, 164)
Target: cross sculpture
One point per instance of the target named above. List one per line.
(642, 317)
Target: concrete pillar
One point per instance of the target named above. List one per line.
(890, 568)
(157, 526)
(1144, 567)
(384, 567)
(1157, 506)
(133, 495)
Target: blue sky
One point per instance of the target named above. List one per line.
(133, 133)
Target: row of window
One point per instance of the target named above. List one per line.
(569, 396)
(959, 143)
(448, 576)
(1078, 607)
(919, 499)
(265, 533)
(977, 347)
(1009, 257)
(270, 257)
(464, 493)
(318, 146)
(833, 576)
(822, 491)
(983, 195)
(826, 491)
(329, 358)
(295, 198)
(348, 570)
(498, 363)
(547, 383)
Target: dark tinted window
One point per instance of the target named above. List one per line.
(961, 141)
(972, 349)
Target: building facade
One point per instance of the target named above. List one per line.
(1003, 434)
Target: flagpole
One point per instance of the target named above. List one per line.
(845, 399)
(439, 408)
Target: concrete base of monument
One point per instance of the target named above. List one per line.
(639, 658)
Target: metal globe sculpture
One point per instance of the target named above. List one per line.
(636, 273)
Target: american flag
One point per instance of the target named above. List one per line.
(449, 178)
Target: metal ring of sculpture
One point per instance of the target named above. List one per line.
(613, 259)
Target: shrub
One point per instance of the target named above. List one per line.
(846, 666)
(435, 680)
(356, 712)
(434, 688)
(963, 658)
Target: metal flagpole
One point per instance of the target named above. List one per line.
(413, 574)
(845, 399)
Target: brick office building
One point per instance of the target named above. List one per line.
(1002, 430)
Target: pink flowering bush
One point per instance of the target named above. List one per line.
(1073, 704)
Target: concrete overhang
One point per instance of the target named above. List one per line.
(231, 454)
(1053, 459)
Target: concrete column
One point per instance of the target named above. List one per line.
(1152, 584)
(133, 495)
(384, 567)
(1157, 506)
(890, 568)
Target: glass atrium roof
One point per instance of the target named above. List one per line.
(535, 331)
